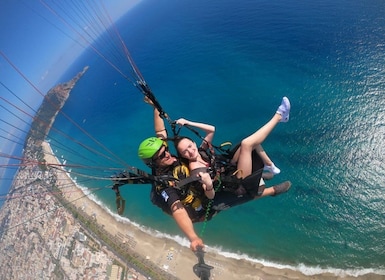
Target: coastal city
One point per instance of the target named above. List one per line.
(54, 245)
(46, 235)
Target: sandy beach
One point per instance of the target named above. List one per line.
(170, 255)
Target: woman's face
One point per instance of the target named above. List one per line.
(188, 149)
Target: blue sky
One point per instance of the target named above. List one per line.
(35, 41)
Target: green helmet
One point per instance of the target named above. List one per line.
(149, 147)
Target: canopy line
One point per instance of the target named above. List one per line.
(60, 111)
(92, 150)
(85, 39)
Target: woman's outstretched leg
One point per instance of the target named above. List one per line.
(251, 142)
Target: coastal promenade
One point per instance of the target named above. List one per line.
(43, 236)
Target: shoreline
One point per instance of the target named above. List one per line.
(170, 255)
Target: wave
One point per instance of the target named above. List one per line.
(304, 269)
(182, 241)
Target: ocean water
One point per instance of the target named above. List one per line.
(229, 63)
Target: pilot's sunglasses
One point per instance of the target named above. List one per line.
(163, 154)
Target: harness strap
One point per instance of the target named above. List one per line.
(194, 173)
(126, 177)
(119, 200)
(184, 182)
(250, 183)
(131, 178)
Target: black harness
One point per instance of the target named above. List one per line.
(224, 172)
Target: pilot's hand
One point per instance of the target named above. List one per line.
(148, 101)
(196, 243)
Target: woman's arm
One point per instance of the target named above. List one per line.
(207, 184)
(206, 181)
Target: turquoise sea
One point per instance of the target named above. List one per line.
(229, 63)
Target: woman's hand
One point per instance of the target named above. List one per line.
(206, 179)
(207, 184)
(182, 121)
